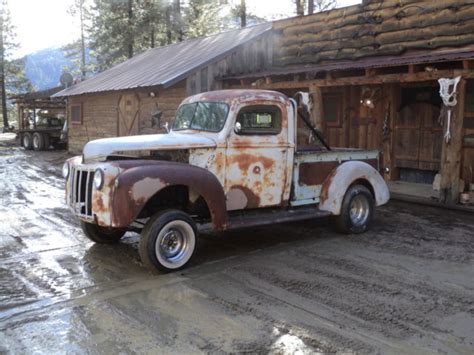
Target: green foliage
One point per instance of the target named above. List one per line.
(120, 29)
(203, 18)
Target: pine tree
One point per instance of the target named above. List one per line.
(112, 32)
(7, 44)
(77, 51)
(202, 18)
(313, 6)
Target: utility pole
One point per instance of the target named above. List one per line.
(310, 7)
(83, 42)
(243, 14)
(130, 29)
(2, 74)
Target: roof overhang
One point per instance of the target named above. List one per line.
(420, 57)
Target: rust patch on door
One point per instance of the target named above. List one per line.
(246, 160)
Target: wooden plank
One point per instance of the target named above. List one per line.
(363, 80)
(451, 153)
(317, 109)
(353, 115)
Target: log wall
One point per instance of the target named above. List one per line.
(391, 27)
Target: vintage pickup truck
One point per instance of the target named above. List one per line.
(232, 159)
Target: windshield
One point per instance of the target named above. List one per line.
(203, 116)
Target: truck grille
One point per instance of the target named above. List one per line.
(81, 191)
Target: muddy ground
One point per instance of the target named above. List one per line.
(407, 286)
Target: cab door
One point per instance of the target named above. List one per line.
(257, 157)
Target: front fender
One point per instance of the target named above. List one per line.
(336, 184)
(137, 184)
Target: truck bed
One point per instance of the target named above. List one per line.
(312, 167)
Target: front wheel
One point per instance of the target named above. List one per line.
(168, 241)
(357, 210)
(100, 234)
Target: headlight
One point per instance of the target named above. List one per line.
(66, 170)
(98, 179)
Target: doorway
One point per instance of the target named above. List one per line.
(418, 135)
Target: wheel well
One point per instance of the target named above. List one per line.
(178, 197)
(365, 183)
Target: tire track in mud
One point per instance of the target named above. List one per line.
(405, 286)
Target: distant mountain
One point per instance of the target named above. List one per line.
(44, 67)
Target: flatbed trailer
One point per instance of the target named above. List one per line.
(41, 138)
(41, 120)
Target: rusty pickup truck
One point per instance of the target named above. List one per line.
(232, 159)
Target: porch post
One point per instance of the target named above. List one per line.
(317, 110)
(451, 152)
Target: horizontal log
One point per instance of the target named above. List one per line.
(336, 19)
(345, 12)
(364, 80)
(285, 59)
(443, 21)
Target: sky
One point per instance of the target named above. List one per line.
(43, 24)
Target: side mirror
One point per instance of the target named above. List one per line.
(237, 127)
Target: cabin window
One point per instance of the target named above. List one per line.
(332, 112)
(258, 119)
(76, 114)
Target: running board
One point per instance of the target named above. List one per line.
(258, 218)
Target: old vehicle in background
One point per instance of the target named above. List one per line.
(43, 130)
(233, 159)
(41, 120)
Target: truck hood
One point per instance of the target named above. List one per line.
(100, 149)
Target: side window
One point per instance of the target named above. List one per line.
(76, 114)
(332, 104)
(258, 119)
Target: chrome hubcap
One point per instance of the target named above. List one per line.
(175, 244)
(359, 210)
(35, 142)
(172, 243)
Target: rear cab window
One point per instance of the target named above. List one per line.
(259, 120)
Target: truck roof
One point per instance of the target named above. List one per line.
(239, 95)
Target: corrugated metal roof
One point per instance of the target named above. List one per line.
(166, 65)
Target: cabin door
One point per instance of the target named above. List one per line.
(128, 115)
(418, 137)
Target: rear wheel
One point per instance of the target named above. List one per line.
(26, 141)
(102, 235)
(356, 211)
(168, 241)
(38, 141)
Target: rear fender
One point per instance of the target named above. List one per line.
(338, 182)
(138, 184)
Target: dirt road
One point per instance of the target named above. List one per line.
(406, 286)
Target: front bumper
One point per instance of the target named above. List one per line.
(85, 201)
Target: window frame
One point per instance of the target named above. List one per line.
(81, 116)
(252, 132)
(202, 130)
